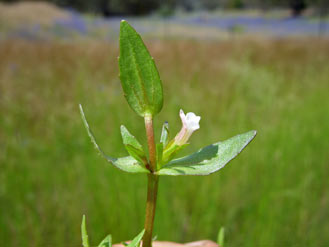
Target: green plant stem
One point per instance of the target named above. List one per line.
(150, 141)
(152, 191)
(152, 184)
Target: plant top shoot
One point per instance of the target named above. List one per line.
(143, 91)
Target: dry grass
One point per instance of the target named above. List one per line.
(30, 13)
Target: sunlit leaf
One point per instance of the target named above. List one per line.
(208, 159)
(136, 241)
(220, 237)
(139, 76)
(107, 242)
(84, 235)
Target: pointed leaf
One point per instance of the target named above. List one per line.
(129, 139)
(136, 241)
(137, 155)
(139, 76)
(171, 151)
(107, 242)
(128, 164)
(159, 152)
(133, 147)
(209, 159)
(220, 237)
(165, 134)
(84, 235)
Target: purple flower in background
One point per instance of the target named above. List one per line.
(274, 26)
(76, 22)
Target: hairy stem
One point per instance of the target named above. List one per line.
(152, 184)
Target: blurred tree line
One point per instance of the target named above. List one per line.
(167, 7)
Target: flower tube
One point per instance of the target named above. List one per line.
(190, 123)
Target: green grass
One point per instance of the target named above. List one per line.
(276, 193)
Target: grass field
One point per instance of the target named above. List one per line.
(276, 193)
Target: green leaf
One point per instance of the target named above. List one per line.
(220, 237)
(136, 241)
(133, 147)
(209, 159)
(159, 152)
(171, 151)
(107, 242)
(165, 134)
(84, 235)
(139, 76)
(137, 155)
(128, 164)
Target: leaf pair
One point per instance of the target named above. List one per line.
(107, 241)
(203, 162)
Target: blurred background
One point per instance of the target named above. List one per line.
(239, 64)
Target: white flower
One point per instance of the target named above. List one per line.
(190, 123)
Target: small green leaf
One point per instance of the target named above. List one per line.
(128, 164)
(220, 237)
(136, 241)
(129, 139)
(171, 151)
(159, 152)
(133, 147)
(137, 155)
(84, 235)
(165, 134)
(209, 159)
(107, 242)
(139, 76)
